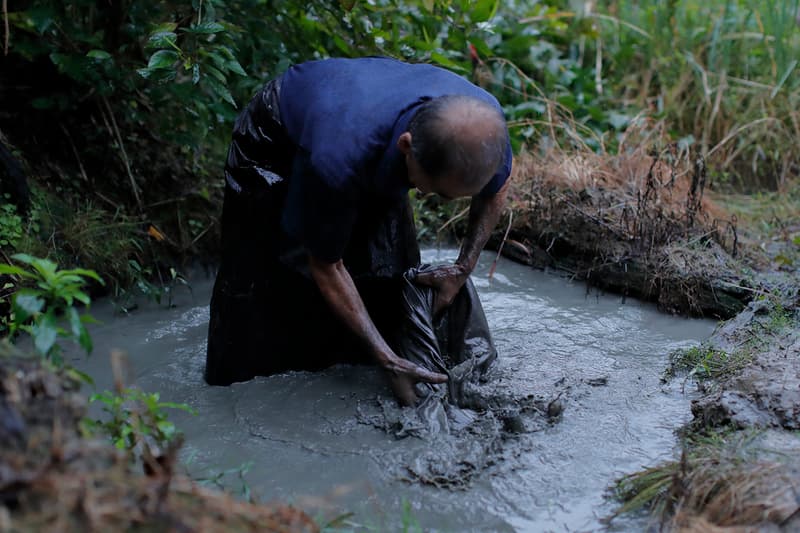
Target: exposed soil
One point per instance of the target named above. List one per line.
(766, 392)
(635, 224)
(54, 479)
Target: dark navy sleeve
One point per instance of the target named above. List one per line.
(318, 212)
(500, 178)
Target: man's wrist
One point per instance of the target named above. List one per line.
(467, 265)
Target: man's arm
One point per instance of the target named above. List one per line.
(340, 293)
(484, 213)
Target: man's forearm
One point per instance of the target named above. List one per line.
(340, 293)
(484, 213)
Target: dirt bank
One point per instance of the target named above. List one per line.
(636, 224)
(764, 341)
(54, 479)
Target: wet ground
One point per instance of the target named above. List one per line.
(307, 441)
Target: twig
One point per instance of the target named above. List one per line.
(598, 68)
(455, 217)
(609, 227)
(738, 130)
(107, 200)
(200, 235)
(7, 28)
(75, 152)
(502, 243)
(124, 154)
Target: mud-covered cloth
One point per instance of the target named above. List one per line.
(458, 343)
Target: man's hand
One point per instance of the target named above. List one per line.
(447, 280)
(404, 374)
(340, 292)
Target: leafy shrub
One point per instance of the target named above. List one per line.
(46, 309)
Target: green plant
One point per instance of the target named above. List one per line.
(409, 522)
(218, 479)
(47, 309)
(10, 225)
(704, 363)
(160, 293)
(135, 419)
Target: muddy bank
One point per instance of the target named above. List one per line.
(740, 461)
(53, 478)
(764, 392)
(635, 224)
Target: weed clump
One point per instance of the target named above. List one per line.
(722, 479)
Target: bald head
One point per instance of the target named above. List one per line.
(459, 137)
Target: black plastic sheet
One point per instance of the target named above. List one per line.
(457, 343)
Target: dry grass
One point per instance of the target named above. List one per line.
(721, 484)
(671, 173)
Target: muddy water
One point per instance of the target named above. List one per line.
(305, 437)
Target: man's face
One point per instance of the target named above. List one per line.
(448, 187)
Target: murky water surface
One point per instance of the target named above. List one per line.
(302, 436)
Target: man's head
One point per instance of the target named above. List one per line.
(454, 145)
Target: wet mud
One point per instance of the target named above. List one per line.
(765, 393)
(573, 400)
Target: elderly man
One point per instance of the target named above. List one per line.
(316, 224)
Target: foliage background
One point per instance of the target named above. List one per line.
(119, 112)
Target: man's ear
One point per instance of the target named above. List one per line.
(404, 143)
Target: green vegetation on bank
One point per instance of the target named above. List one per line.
(117, 114)
(50, 306)
(708, 364)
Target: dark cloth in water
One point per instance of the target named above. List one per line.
(458, 343)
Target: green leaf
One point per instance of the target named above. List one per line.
(75, 323)
(45, 268)
(235, 67)
(85, 340)
(27, 305)
(206, 28)
(221, 91)
(44, 334)
(166, 428)
(165, 26)
(216, 73)
(785, 77)
(444, 61)
(162, 39)
(23, 258)
(80, 376)
(162, 59)
(101, 55)
(86, 273)
(82, 297)
(15, 271)
(195, 73)
(484, 10)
